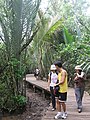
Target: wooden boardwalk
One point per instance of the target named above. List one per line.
(38, 83)
(42, 85)
(71, 103)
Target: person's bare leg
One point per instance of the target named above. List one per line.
(59, 110)
(64, 106)
(58, 106)
(64, 110)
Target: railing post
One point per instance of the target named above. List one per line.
(34, 88)
(43, 93)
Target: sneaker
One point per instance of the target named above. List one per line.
(58, 116)
(64, 116)
(79, 110)
(53, 109)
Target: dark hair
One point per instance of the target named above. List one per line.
(58, 63)
(80, 72)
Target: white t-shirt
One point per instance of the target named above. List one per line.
(54, 78)
(37, 71)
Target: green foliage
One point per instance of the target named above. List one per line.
(19, 101)
(73, 54)
(17, 23)
(56, 27)
(13, 103)
(68, 38)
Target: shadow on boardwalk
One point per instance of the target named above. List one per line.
(71, 104)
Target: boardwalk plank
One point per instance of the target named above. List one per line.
(71, 103)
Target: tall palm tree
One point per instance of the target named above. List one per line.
(17, 21)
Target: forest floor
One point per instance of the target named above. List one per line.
(35, 108)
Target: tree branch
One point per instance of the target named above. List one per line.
(81, 22)
(1, 38)
(28, 42)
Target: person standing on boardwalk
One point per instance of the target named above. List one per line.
(37, 73)
(52, 79)
(79, 87)
(62, 94)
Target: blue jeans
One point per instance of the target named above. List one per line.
(79, 92)
(53, 97)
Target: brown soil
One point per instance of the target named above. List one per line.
(35, 108)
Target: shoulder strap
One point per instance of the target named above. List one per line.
(56, 72)
(50, 76)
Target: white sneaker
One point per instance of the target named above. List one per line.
(64, 116)
(53, 109)
(58, 116)
(79, 110)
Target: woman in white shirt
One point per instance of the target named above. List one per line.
(52, 80)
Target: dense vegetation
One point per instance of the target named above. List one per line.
(30, 38)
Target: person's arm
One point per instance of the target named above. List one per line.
(75, 78)
(63, 76)
(81, 76)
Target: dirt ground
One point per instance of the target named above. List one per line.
(36, 107)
